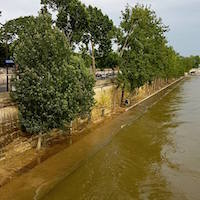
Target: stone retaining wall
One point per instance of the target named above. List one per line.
(107, 96)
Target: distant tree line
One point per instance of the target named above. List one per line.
(54, 85)
(2, 45)
(144, 50)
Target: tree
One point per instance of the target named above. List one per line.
(84, 26)
(196, 61)
(10, 32)
(99, 35)
(16, 26)
(141, 42)
(53, 86)
(2, 46)
(145, 53)
(71, 18)
(2, 54)
(110, 60)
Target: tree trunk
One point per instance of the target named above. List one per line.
(122, 97)
(39, 143)
(93, 59)
(71, 128)
(114, 99)
(89, 118)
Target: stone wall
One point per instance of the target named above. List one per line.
(13, 141)
(8, 123)
(107, 97)
(107, 101)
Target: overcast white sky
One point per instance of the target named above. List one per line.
(183, 17)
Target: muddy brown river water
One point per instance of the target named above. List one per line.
(155, 157)
(151, 152)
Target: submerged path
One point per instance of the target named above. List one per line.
(155, 155)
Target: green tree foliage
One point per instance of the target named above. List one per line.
(196, 61)
(172, 64)
(12, 30)
(144, 50)
(110, 60)
(71, 18)
(191, 62)
(2, 46)
(86, 27)
(16, 26)
(2, 54)
(53, 86)
(9, 33)
(141, 43)
(99, 34)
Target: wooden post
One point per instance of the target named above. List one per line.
(93, 59)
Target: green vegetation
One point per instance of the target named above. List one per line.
(142, 41)
(99, 34)
(71, 18)
(53, 87)
(2, 54)
(2, 45)
(145, 53)
(110, 60)
(191, 62)
(86, 27)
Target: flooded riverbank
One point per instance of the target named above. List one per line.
(147, 159)
(156, 157)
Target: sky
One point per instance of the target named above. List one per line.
(182, 16)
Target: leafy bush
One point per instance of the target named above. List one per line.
(53, 87)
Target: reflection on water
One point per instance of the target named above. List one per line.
(156, 157)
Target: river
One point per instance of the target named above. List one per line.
(155, 157)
